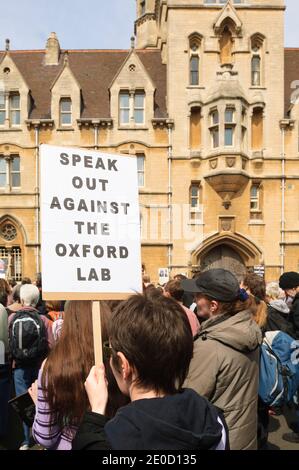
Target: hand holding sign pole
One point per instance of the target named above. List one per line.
(90, 228)
(97, 333)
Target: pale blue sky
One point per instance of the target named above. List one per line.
(88, 24)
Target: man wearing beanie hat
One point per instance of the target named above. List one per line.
(289, 282)
(225, 364)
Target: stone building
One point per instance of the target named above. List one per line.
(206, 98)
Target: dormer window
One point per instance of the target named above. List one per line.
(2, 109)
(124, 108)
(65, 112)
(15, 109)
(139, 107)
(131, 107)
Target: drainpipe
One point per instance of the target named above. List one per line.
(169, 197)
(283, 188)
(37, 222)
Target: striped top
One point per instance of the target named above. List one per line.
(45, 430)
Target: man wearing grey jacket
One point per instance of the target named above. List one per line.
(225, 364)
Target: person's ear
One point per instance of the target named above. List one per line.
(214, 305)
(125, 367)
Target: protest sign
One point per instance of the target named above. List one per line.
(90, 225)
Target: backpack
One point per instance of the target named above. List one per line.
(28, 341)
(279, 368)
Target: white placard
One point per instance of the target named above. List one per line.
(90, 224)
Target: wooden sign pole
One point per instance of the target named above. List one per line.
(97, 333)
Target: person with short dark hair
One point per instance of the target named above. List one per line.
(26, 280)
(151, 347)
(289, 282)
(225, 363)
(188, 298)
(174, 290)
(16, 305)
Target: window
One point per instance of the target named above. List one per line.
(194, 70)
(257, 51)
(256, 70)
(131, 107)
(124, 108)
(254, 197)
(195, 203)
(139, 107)
(2, 109)
(65, 112)
(229, 127)
(15, 111)
(215, 137)
(10, 172)
(140, 170)
(215, 117)
(2, 172)
(214, 128)
(15, 172)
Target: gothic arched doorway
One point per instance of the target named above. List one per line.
(11, 244)
(223, 256)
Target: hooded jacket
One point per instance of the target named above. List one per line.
(225, 369)
(278, 318)
(294, 315)
(184, 421)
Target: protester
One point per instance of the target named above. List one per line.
(30, 337)
(55, 309)
(12, 283)
(16, 305)
(174, 290)
(151, 348)
(4, 286)
(188, 298)
(147, 281)
(255, 285)
(289, 282)
(225, 364)
(278, 310)
(59, 393)
(41, 304)
(4, 364)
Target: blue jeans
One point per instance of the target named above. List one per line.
(23, 378)
(4, 397)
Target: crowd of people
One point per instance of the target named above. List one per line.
(181, 364)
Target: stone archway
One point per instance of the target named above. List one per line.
(225, 257)
(12, 246)
(231, 251)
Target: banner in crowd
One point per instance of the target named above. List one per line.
(90, 224)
